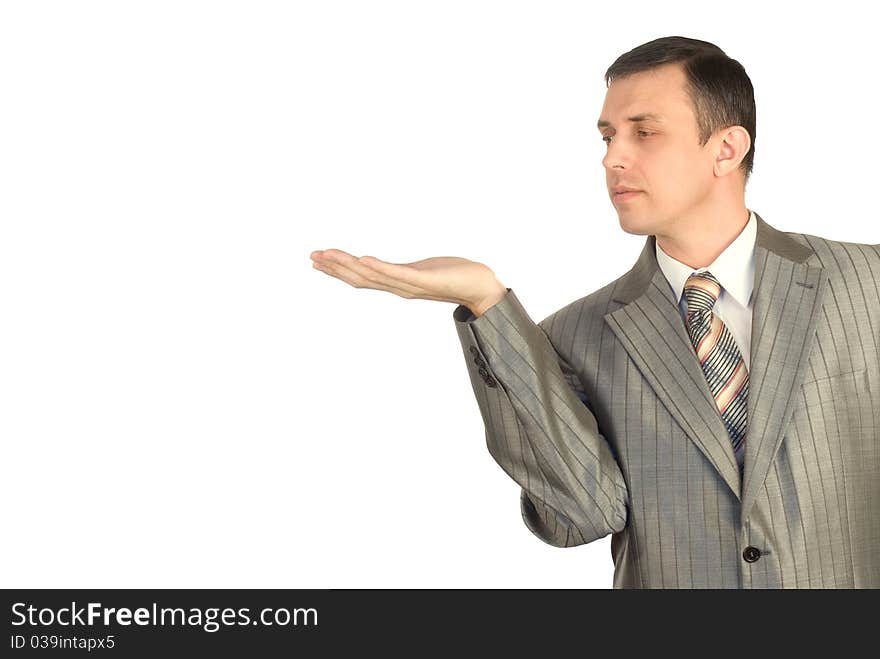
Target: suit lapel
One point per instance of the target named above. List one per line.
(787, 301)
(787, 298)
(652, 331)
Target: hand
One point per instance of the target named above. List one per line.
(444, 278)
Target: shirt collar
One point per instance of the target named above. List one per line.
(734, 268)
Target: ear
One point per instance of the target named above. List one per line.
(734, 143)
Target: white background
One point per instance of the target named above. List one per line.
(186, 402)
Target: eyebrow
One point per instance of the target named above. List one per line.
(646, 116)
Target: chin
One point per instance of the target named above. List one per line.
(634, 225)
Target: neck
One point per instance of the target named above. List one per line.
(698, 239)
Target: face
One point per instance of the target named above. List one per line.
(660, 156)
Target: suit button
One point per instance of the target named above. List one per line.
(474, 351)
(479, 362)
(751, 554)
(488, 379)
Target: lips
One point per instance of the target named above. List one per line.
(620, 189)
(624, 196)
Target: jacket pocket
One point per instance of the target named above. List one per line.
(840, 386)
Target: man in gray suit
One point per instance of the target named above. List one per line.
(715, 409)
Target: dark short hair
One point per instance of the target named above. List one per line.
(720, 90)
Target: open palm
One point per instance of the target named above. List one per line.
(445, 278)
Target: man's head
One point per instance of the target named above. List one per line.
(696, 154)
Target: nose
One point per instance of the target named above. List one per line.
(616, 156)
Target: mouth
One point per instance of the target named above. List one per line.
(625, 196)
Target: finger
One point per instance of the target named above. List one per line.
(339, 273)
(370, 276)
(403, 273)
(334, 269)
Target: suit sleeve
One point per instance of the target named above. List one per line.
(539, 428)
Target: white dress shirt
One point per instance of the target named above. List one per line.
(735, 271)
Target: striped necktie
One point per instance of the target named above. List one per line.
(720, 358)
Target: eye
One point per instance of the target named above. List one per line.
(645, 132)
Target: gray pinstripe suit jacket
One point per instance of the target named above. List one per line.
(602, 414)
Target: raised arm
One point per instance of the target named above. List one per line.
(539, 427)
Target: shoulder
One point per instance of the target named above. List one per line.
(850, 268)
(840, 257)
(583, 310)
